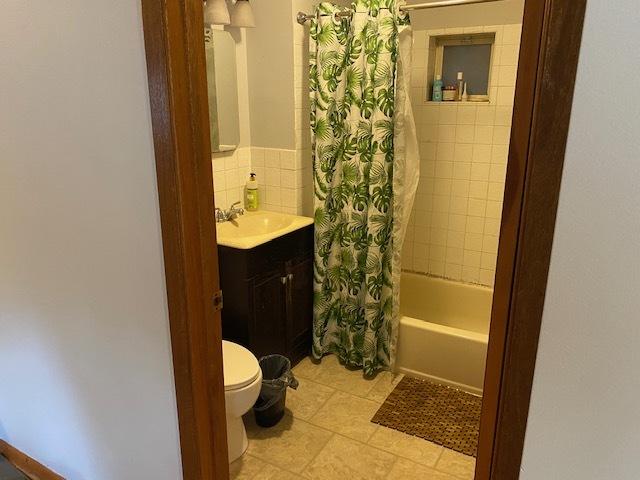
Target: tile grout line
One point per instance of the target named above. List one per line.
(313, 458)
(448, 472)
(321, 406)
(319, 452)
(273, 465)
(433, 467)
(336, 434)
(311, 424)
(366, 397)
(376, 426)
(397, 459)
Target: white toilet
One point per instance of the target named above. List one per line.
(242, 383)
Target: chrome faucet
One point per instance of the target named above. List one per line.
(234, 212)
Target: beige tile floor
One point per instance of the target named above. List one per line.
(327, 435)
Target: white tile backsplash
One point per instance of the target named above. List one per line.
(230, 173)
(455, 223)
(279, 173)
(280, 180)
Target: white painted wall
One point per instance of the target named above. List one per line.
(584, 421)
(270, 73)
(86, 381)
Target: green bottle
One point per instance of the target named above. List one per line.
(252, 201)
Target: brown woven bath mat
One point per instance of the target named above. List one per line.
(440, 414)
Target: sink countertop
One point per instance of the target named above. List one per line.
(255, 228)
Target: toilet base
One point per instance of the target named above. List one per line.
(236, 438)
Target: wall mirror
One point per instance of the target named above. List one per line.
(222, 82)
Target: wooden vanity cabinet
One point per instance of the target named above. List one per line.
(268, 295)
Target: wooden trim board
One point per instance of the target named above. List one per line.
(174, 39)
(551, 36)
(27, 465)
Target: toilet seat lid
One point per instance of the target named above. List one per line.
(240, 366)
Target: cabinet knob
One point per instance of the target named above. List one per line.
(283, 280)
(290, 277)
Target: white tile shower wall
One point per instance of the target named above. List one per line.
(454, 226)
(301, 100)
(301, 97)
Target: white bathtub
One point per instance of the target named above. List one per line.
(444, 329)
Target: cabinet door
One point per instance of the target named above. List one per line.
(299, 306)
(268, 323)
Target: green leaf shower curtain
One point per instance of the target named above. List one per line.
(365, 167)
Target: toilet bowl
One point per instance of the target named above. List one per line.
(242, 383)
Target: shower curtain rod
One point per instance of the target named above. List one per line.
(302, 17)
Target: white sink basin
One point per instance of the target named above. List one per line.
(255, 228)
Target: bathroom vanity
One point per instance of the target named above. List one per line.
(266, 274)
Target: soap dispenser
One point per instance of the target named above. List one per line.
(252, 201)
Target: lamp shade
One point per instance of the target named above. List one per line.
(216, 13)
(242, 15)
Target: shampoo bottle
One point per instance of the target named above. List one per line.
(460, 87)
(437, 89)
(252, 201)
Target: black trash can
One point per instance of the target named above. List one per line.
(276, 377)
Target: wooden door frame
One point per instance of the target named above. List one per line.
(549, 51)
(177, 86)
(176, 68)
